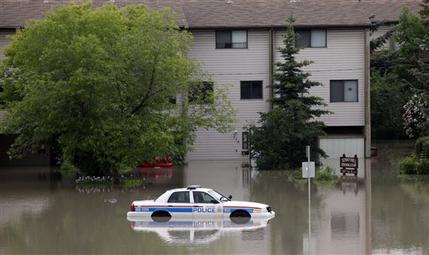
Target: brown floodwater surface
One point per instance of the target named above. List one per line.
(381, 213)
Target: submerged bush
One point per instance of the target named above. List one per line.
(408, 165)
(414, 165)
(423, 166)
(326, 174)
(127, 182)
(422, 146)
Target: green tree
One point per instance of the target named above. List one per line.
(96, 85)
(279, 141)
(397, 74)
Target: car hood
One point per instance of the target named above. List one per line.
(244, 204)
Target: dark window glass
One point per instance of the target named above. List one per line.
(251, 90)
(223, 39)
(337, 91)
(201, 93)
(179, 197)
(344, 91)
(202, 197)
(303, 39)
(172, 100)
(228, 39)
(315, 38)
(245, 140)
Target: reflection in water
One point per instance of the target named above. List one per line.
(344, 225)
(378, 214)
(197, 232)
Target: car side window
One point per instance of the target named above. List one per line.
(179, 197)
(202, 197)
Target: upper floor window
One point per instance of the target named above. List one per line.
(314, 38)
(344, 91)
(231, 39)
(179, 197)
(251, 89)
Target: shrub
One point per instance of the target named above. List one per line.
(409, 164)
(422, 146)
(326, 174)
(423, 166)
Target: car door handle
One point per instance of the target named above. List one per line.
(197, 206)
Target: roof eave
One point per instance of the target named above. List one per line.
(278, 26)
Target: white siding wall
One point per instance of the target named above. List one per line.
(343, 59)
(228, 67)
(335, 147)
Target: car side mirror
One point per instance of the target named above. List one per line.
(229, 197)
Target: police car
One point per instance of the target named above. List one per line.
(196, 202)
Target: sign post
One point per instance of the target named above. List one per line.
(308, 171)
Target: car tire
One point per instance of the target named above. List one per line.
(240, 216)
(161, 216)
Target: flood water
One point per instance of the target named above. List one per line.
(380, 213)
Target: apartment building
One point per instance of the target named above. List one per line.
(237, 41)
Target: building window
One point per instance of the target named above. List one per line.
(315, 38)
(179, 197)
(344, 91)
(201, 93)
(245, 141)
(251, 90)
(231, 39)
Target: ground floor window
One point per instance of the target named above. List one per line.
(251, 89)
(245, 143)
(343, 91)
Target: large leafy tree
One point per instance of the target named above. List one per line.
(98, 86)
(280, 138)
(397, 75)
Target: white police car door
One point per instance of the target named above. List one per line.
(205, 205)
(179, 204)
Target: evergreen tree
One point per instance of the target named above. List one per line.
(279, 141)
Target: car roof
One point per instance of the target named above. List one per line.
(188, 189)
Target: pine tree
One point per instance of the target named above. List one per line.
(292, 83)
(279, 141)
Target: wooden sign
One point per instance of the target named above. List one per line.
(349, 165)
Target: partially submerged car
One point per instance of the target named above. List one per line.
(196, 202)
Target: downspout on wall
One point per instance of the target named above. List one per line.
(270, 65)
(367, 92)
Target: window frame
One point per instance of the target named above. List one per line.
(310, 30)
(189, 197)
(231, 31)
(196, 191)
(343, 81)
(252, 81)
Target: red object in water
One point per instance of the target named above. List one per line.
(158, 163)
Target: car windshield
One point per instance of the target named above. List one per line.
(216, 195)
